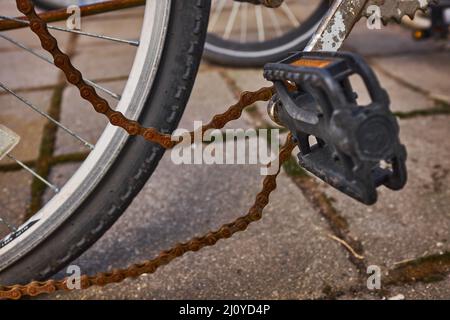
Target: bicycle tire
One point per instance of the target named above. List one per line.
(135, 164)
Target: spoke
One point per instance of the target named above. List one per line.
(217, 13)
(290, 15)
(88, 34)
(36, 109)
(231, 20)
(46, 59)
(260, 23)
(51, 186)
(244, 22)
(275, 23)
(8, 225)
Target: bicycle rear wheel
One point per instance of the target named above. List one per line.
(246, 35)
(156, 93)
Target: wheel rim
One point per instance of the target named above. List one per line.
(109, 145)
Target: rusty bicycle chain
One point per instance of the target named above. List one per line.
(150, 266)
(62, 61)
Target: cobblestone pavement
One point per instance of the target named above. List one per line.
(313, 241)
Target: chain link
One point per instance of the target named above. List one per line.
(62, 61)
(150, 266)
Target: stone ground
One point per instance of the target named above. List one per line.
(313, 242)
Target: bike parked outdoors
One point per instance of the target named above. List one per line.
(356, 147)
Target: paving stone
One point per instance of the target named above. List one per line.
(439, 290)
(9, 8)
(403, 99)
(433, 290)
(14, 197)
(22, 70)
(286, 255)
(392, 39)
(59, 175)
(429, 72)
(248, 79)
(207, 101)
(251, 80)
(78, 115)
(25, 122)
(413, 222)
(115, 61)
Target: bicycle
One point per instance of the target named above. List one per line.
(44, 238)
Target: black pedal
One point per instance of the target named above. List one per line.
(357, 147)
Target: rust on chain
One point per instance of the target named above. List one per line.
(150, 266)
(85, 10)
(62, 61)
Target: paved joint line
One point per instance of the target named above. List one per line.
(428, 269)
(431, 268)
(403, 53)
(426, 93)
(339, 226)
(256, 117)
(54, 86)
(438, 109)
(48, 141)
(442, 103)
(14, 49)
(46, 149)
(30, 89)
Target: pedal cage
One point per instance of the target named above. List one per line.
(357, 147)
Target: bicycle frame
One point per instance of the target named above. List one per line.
(340, 19)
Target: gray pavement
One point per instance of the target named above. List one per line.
(312, 243)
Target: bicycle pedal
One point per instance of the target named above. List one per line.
(357, 147)
(8, 140)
